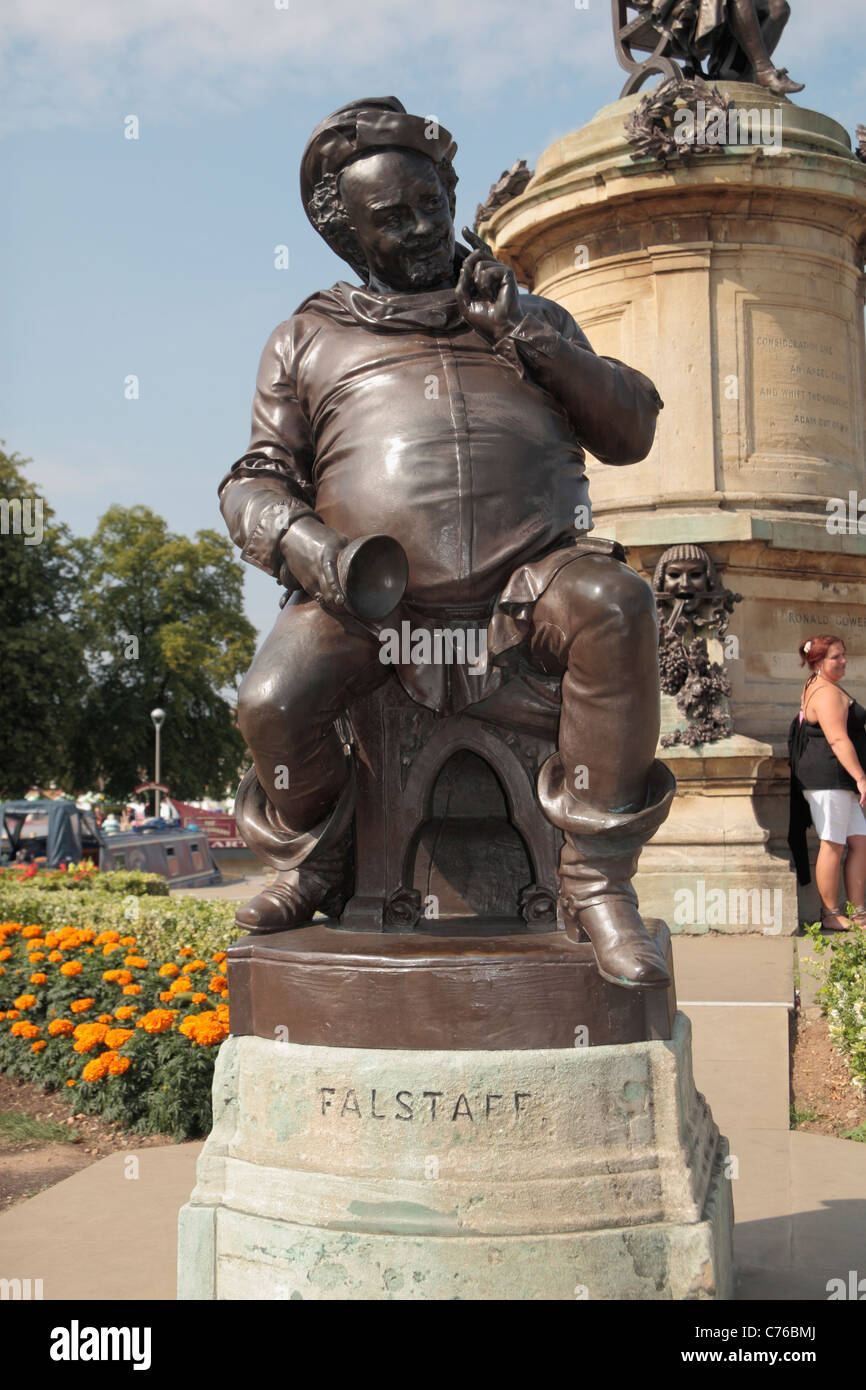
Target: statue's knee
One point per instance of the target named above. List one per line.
(265, 714)
(779, 10)
(602, 589)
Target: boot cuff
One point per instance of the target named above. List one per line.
(266, 835)
(595, 832)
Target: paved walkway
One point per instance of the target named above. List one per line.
(800, 1199)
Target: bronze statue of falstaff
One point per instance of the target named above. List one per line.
(440, 406)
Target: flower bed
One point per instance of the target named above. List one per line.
(843, 995)
(128, 1035)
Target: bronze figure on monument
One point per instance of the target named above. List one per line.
(416, 464)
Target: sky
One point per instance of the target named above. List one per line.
(155, 257)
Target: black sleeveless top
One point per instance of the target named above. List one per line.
(813, 761)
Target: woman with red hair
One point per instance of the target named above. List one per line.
(828, 755)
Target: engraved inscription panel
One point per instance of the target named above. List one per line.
(801, 397)
(776, 630)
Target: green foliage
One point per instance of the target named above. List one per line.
(843, 995)
(125, 881)
(42, 663)
(806, 1116)
(161, 924)
(96, 633)
(164, 626)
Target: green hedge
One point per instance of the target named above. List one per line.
(843, 995)
(161, 924)
(124, 881)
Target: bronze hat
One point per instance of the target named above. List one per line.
(371, 123)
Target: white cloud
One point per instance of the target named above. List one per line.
(68, 64)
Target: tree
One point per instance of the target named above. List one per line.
(164, 626)
(42, 666)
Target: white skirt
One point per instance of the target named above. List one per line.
(836, 815)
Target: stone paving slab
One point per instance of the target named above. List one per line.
(101, 1235)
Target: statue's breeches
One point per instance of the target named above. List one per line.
(594, 626)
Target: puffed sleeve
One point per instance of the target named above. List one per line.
(270, 486)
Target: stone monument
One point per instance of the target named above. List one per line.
(715, 237)
(456, 1068)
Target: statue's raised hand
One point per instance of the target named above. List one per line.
(486, 291)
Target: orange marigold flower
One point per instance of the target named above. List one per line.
(196, 965)
(2, 969)
(61, 1027)
(97, 1069)
(126, 1011)
(204, 1028)
(157, 1020)
(29, 932)
(88, 950)
(138, 962)
(80, 1006)
(165, 996)
(70, 1083)
(38, 1046)
(36, 956)
(127, 941)
(186, 951)
(169, 969)
(199, 998)
(24, 1030)
(106, 936)
(55, 957)
(132, 989)
(116, 1037)
(110, 974)
(88, 1036)
(112, 946)
(218, 984)
(38, 979)
(5, 953)
(181, 984)
(222, 1013)
(87, 934)
(105, 1018)
(117, 1065)
(11, 1013)
(25, 1001)
(71, 967)
(218, 956)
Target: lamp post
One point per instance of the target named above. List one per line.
(158, 717)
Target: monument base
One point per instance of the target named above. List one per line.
(358, 1173)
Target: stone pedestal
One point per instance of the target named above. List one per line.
(736, 284)
(488, 1119)
(360, 1173)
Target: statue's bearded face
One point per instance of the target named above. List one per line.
(399, 211)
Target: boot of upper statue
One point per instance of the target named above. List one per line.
(778, 81)
(317, 885)
(625, 953)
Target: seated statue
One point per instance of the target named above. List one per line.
(735, 37)
(437, 405)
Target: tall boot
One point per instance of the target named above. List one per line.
(315, 865)
(599, 860)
